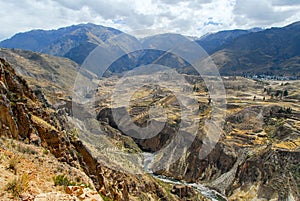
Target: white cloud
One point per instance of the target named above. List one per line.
(285, 2)
(190, 17)
(259, 13)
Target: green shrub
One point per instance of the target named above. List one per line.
(45, 151)
(105, 198)
(62, 180)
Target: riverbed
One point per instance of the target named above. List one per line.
(207, 192)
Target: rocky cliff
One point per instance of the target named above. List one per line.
(25, 118)
(258, 153)
(257, 156)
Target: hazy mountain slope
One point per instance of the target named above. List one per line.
(274, 51)
(213, 42)
(55, 76)
(74, 42)
(46, 40)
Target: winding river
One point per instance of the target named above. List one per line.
(208, 193)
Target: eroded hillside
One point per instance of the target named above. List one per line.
(258, 153)
(29, 121)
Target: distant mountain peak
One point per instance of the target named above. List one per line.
(213, 42)
(294, 25)
(59, 42)
(237, 50)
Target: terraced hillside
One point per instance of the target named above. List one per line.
(40, 146)
(255, 154)
(258, 152)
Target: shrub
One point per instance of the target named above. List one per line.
(45, 151)
(12, 164)
(105, 198)
(18, 186)
(62, 180)
(73, 134)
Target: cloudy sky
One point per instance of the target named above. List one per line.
(144, 17)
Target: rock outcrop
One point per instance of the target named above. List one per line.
(24, 117)
(259, 149)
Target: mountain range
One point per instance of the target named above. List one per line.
(215, 41)
(274, 51)
(57, 136)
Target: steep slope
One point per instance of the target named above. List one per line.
(46, 40)
(54, 76)
(258, 152)
(163, 49)
(274, 51)
(74, 42)
(215, 41)
(25, 118)
(30, 172)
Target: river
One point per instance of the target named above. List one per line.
(207, 192)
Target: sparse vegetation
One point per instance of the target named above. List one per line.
(247, 129)
(73, 134)
(26, 149)
(1, 157)
(63, 180)
(43, 122)
(105, 198)
(45, 151)
(18, 185)
(272, 126)
(12, 164)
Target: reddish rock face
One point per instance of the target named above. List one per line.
(23, 116)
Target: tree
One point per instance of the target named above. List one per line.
(285, 93)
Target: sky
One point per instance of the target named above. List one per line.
(147, 17)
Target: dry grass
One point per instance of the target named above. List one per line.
(18, 185)
(290, 145)
(12, 164)
(35, 172)
(40, 121)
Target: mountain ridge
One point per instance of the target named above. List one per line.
(259, 124)
(273, 51)
(62, 41)
(215, 41)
